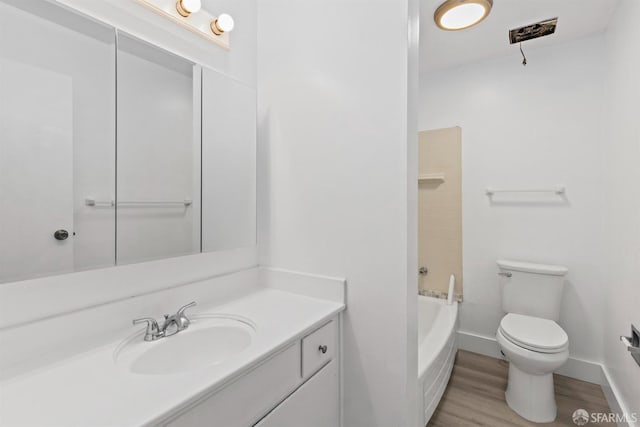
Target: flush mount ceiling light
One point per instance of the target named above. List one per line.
(187, 7)
(223, 23)
(453, 15)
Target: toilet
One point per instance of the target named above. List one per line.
(529, 337)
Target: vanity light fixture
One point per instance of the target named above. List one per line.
(187, 7)
(223, 23)
(191, 15)
(454, 15)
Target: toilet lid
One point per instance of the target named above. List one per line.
(534, 333)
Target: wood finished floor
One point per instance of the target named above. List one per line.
(475, 396)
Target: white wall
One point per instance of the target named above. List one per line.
(334, 162)
(533, 126)
(622, 202)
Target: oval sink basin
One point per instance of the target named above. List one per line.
(206, 342)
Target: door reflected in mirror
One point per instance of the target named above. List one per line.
(57, 141)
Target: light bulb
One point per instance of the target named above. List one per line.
(223, 23)
(187, 7)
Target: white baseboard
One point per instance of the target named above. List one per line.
(584, 370)
(613, 398)
(574, 368)
(481, 344)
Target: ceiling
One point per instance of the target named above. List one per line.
(489, 39)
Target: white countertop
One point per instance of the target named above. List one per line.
(89, 389)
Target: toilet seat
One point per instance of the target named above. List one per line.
(534, 333)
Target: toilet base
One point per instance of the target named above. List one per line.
(531, 396)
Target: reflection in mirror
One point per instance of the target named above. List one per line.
(229, 163)
(158, 176)
(64, 80)
(57, 121)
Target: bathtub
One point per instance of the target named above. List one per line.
(437, 325)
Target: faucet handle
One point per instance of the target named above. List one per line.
(184, 307)
(181, 319)
(153, 330)
(151, 322)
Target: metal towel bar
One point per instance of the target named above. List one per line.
(557, 190)
(159, 203)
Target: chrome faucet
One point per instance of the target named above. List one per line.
(178, 322)
(153, 331)
(171, 326)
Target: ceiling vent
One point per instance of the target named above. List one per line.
(533, 31)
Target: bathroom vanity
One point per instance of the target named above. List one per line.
(263, 349)
(297, 386)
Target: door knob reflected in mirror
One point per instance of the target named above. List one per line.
(61, 235)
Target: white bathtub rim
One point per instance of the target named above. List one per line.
(443, 327)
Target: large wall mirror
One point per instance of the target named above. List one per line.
(114, 151)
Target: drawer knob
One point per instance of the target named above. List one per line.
(322, 349)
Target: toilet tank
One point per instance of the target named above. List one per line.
(532, 289)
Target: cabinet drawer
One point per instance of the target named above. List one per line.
(318, 348)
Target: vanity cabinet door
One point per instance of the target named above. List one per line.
(314, 404)
(242, 402)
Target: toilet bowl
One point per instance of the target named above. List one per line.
(535, 348)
